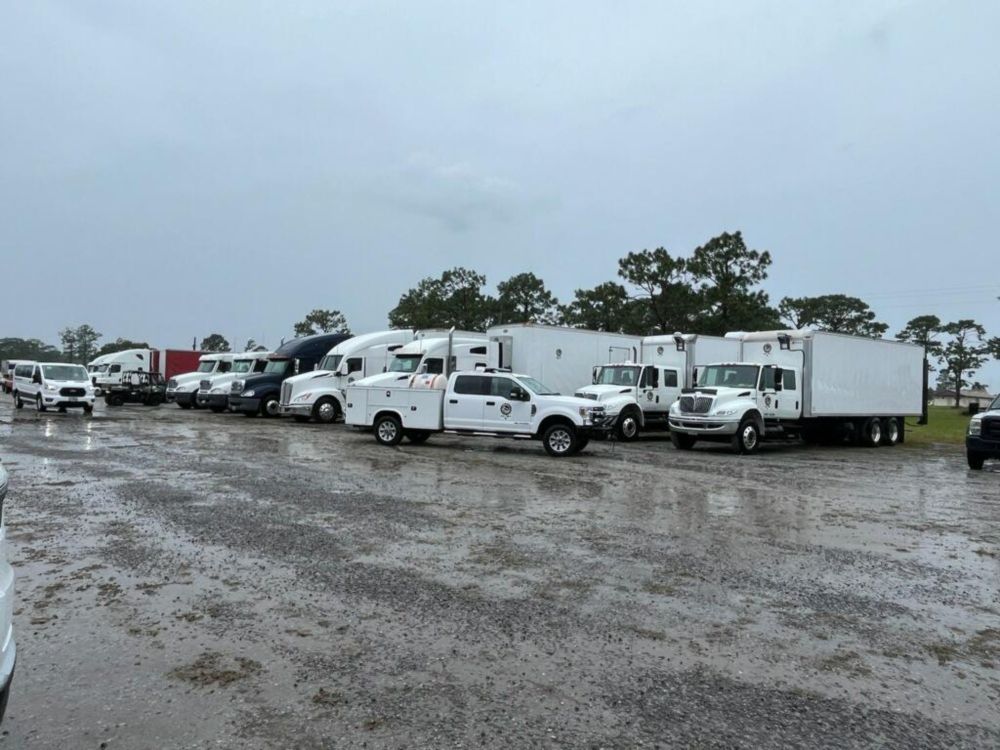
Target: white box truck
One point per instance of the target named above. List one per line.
(637, 394)
(559, 356)
(822, 387)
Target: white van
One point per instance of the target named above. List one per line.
(53, 385)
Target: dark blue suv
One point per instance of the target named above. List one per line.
(982, 439)
(261, 394)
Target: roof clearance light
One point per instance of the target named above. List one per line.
(679, 341)
(784, 341)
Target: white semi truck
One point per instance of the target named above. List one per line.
(822, 387)
(431, 356)
(319, 394)
(483, 402)
(637, 393)
(182, 389)
(559, 356)
(213, 390)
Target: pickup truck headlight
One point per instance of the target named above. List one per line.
(247, 394)
(976, 427)
(50, 387)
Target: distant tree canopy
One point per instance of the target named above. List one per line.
(454, 299)
(214, 342)
(79, 344)
(33, 349)
(965, 352)
(119, 345)
(523, 298)
(322, 321)
(836, 313)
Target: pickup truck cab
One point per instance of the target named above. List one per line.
(486, 402)
(183, 389)
(261, 394)
(53, 385)
(982, 438)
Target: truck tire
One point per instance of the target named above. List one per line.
(747, 437)
(975, 460)
(326, 410)
(88, 408)
(417, 436)
(18, 403)
(388, 430)
(560, 439)
(682, 441)
(890, 435)
(38, 403)
(871, 433)
(627, 426)
(270, 406)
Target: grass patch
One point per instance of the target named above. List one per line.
(945, 424)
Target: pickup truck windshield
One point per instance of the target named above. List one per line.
(242, 365)
(539, 389)
(330, 362)
(996, 403)
(206, 367)
(628, 376)
(729, 376)
(278, 366)
(405, 362)
(64, 372)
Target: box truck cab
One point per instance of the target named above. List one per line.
(213, 390)
(982, 438)
(53, 385)
(261, 394)
(427, 356)
(183, 389)
(319, 394)
(818, 386)
(485, 402)
(638, 395)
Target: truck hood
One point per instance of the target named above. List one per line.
(570, 402)
(604, 393)
(189, 377)
(303, 377)
(720, 397)
(260, 380)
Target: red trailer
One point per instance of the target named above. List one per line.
(170, 362)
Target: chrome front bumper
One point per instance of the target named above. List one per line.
(692, 424)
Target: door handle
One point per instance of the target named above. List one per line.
(452, 400)
(491, 403)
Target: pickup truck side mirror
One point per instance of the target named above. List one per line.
(518, 394)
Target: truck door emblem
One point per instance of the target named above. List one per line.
(767, 401)
(505, 409)
(767, 348)
(649, 396)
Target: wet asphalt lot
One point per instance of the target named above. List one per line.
(196, 580)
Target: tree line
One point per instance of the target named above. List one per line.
(714, 289)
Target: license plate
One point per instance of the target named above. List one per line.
(72, 398)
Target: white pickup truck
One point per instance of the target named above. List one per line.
(485, 402)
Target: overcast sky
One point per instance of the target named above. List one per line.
(176, 168)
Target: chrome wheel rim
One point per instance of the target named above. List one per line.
(387, 431)
(893, 433)
(876, 433)
(749, 437)
(560, 441)
(630, 427)
(271, 407)
(325, 411)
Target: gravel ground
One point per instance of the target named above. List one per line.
(195, 580)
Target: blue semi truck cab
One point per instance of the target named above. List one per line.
(260, 394)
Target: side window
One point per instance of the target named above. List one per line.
(354, 364)
(477, 350)
(115, 368)
(435, 366)
(225, 366)
(646, 380)
(788, 380)
(501, 387)
(471, 385)
(670, 378)
(767, 379)
(259, 365)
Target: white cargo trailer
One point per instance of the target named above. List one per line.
(563, 358)
(820, 386)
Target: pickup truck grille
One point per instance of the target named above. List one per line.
(991, 428)
(72, 392)
(205, 385)
(696, 405)
(286, 393)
